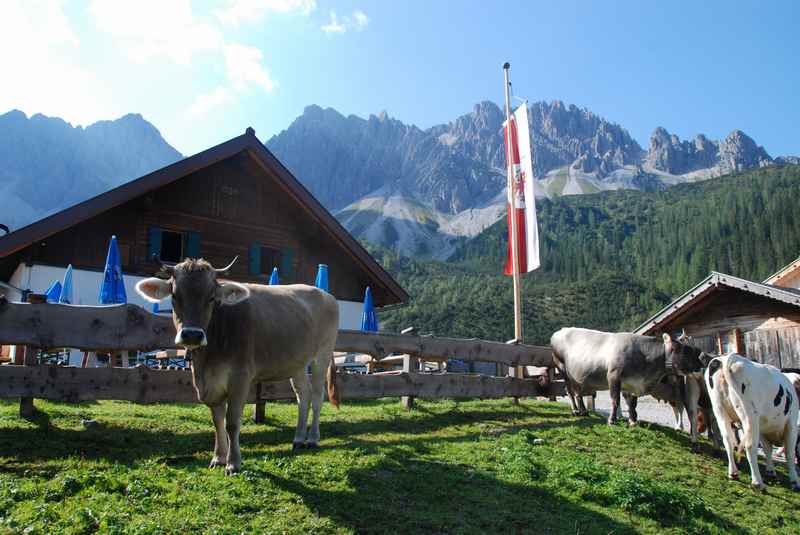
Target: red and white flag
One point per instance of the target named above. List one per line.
(522, 198)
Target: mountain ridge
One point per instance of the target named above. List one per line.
(46, 164)
(393, 182)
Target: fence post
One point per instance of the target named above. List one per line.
(26, 408)
(410, 366)
(260, 408)
(515, 371)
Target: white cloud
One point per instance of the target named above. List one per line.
(40, 54)
(361, 19)
(243, 67)
(239, 11)
(203, 104)
(333, 26)
(357, 21)
(147, 29)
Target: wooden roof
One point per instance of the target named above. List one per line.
(787, 270)
(248, 143)
(708, 286)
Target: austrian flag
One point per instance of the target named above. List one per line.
(520, 195)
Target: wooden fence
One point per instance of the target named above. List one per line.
(37, 326)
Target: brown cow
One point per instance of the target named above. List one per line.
(236, 334)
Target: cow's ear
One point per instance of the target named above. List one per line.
(231, 293)
(154, 289)
(667, 341)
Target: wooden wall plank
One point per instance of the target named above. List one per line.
(144, 385)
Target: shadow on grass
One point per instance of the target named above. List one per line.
(414, 496)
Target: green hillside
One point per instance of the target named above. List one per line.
(609, 260)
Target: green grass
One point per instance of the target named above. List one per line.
(445, 467)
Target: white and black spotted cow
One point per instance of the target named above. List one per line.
(764, 402)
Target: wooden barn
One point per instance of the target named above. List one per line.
(724, 313)
(234, 199)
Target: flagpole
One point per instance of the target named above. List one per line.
(513, 216)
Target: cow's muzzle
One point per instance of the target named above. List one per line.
(191, 337)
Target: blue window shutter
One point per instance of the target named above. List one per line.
(287, 258)
(193, 244)
(255, 259)
(153, 243)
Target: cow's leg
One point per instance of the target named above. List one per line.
(220, 435)
(318, 368)
(574, 395)
(615, 385)
(631, 400)
(769, 464)
(693, 391)
(790, 445)
(233, 423)
(728, 436)
(750, 440)
(302, 389)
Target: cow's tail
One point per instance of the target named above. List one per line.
(333, 383)
(735, 393)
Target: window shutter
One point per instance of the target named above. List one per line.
(193, 244)
(153, 243)
(287, 259)
(255, 259)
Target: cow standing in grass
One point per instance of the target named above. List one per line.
(761, 399)
(593, 360)
(237, 334)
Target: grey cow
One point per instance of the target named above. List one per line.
(240, 333)
(594, 360)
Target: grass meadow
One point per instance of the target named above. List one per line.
(444, 467)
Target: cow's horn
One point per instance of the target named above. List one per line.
(224, 271)
(165, 267)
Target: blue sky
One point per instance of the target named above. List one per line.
(203, 71)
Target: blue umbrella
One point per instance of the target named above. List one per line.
(322, 278)
(53, 293)
(113, 289)
(369, 320)
(66, 287)
(273, 279)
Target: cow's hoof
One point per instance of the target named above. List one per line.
(231, 470)
(312, 445)
(758, 486)
(734, 477)
(611, 421)
(632, 423)
(796, 486)
(216, 462)
(298, 446)
(771, 474)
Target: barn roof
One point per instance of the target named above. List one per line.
(787, 270)
(247, 142)
(709, 285)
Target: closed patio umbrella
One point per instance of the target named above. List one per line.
(322, 278)
(53, 293)
(369, 320)
(113, 289)
(66, 287)
(273, 279)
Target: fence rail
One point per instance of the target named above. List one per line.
(129, 327)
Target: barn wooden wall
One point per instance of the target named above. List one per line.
(763, 329)
(232, 205)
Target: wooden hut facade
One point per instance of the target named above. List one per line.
(234, 199)
(724, 313)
